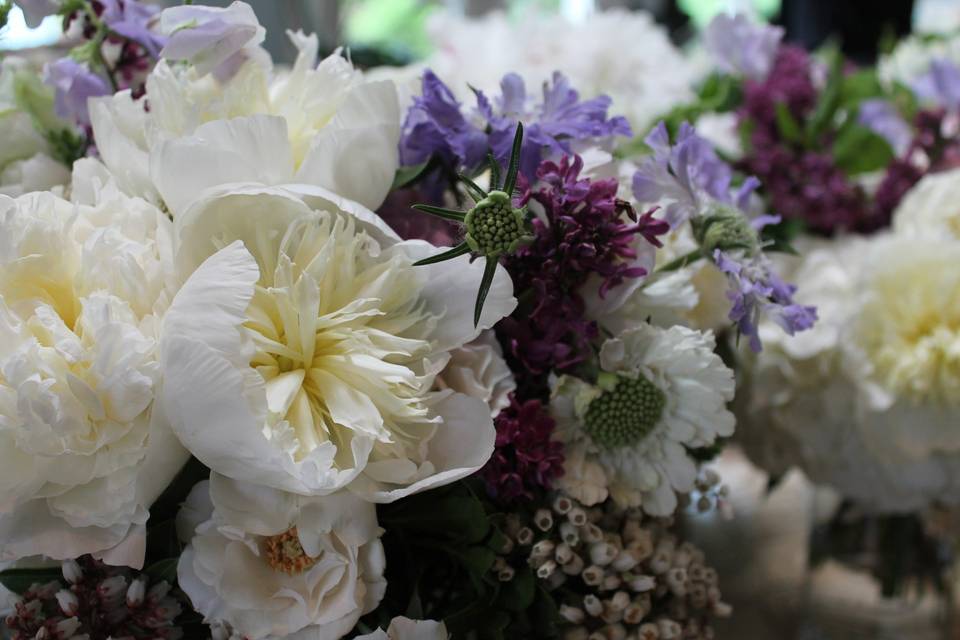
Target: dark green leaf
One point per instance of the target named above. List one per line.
(518, 594)
(477, 560)
(787, 125)
(456, 517)
(408, 175)
(489, 271)
(473, 189)
(440, 212)
(681, 262)
(5, 8)
(457, 251)
(510, 182)
(859, 150)
(829, 101)
(859, 86)
(163, 570)
(19, 580)
(494, 172)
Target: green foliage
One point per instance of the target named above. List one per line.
(859, 150)
(5, 7)
(67, 145)
(719, 93)
(19, 580)
(406, 176)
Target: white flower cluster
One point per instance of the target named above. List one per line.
(866, 401)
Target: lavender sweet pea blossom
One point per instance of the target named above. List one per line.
(74, 83)
(739, 45)
(131, 19)
(688, 175)
(435, 124)
(34, 11)
(755, 290)
(211, 38)
(881, 117)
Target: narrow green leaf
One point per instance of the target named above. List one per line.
(787, 125)
(457, 251)
(681, 262)
(163, 570)
(494, 172)
(518, 594)
(440, 212)
(473, 188)
(829, 101)
(407, 175)
(859, 150)
(510, 183)
(19, 580)
(488, 272)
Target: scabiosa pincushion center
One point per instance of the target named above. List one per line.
(727, 229)
(495, 227)
(626, 412)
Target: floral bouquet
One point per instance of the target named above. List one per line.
(246, 391)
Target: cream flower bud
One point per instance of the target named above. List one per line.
(649, 631)
(72, 572)
(643, 583)
(602, 553)
(68, 602)
(593, 575)
(570, 533)
(669, 629)
(543, 519)
(574, 566)
(592, 605)
(137, 591)
(563, 553)
(573, 615)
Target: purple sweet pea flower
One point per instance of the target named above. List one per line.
(741, 46)
(688, 174)
(881, 117)
(756, 290)
(210, 38)
(74, 84)
(435, 124)
(940, 85)
(34, 11)
(130, 19)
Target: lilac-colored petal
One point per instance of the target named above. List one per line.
(738, 45)
(74, 84)
(881, 117)
(513, 100)
(131, 19)
(742, 197)
(765, 220)
(209, 36)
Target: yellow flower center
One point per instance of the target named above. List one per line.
(285, 554)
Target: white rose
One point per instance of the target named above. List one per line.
(275, 565)
(478, 370)
(931, 209)
(303, 350)
(341, 133)
(84, 451)
(406, 629)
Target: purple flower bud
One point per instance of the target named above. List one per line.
(74, 83)
(738, 45)
(210, 37)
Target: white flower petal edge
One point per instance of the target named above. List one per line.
(648, 469)
(303, 354)
(270, 564)
(85, 449)
(478, 370)
(406, 629)
(931, 208)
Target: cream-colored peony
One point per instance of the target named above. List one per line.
(272, 565)
(303, 351)
(931, 208)
(660, 392)
(341, 132)
(479, 370)
(869, 395)
(912, 57)
(26, 110)
(406, 629)
(84, 450)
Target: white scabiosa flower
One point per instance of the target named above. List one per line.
(660, 392)
(478, 369)
(270, 565)
(341, 132)
(84, 449)
(303, 351)
(406, 629)
(931, 208)
(867, 399)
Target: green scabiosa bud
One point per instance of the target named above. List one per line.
(727, 229)
(494, 227)
(626, 412)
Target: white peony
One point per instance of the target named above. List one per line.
(84, 449)
(26, 162)
(341, 132)
(273, 565)
(912, 57)
(406, 629)
(869, 395)
(623, 54)
(478, 369)
(660, 392)
(931, 208)
(303, 351)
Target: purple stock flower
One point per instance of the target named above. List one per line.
(738, 45)
(131, 19)
(756, 290)
(881, 117)
(210, 38)
(74, 84)
(940, 85)
(34, 11)
(688, 174)
(435, 125)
